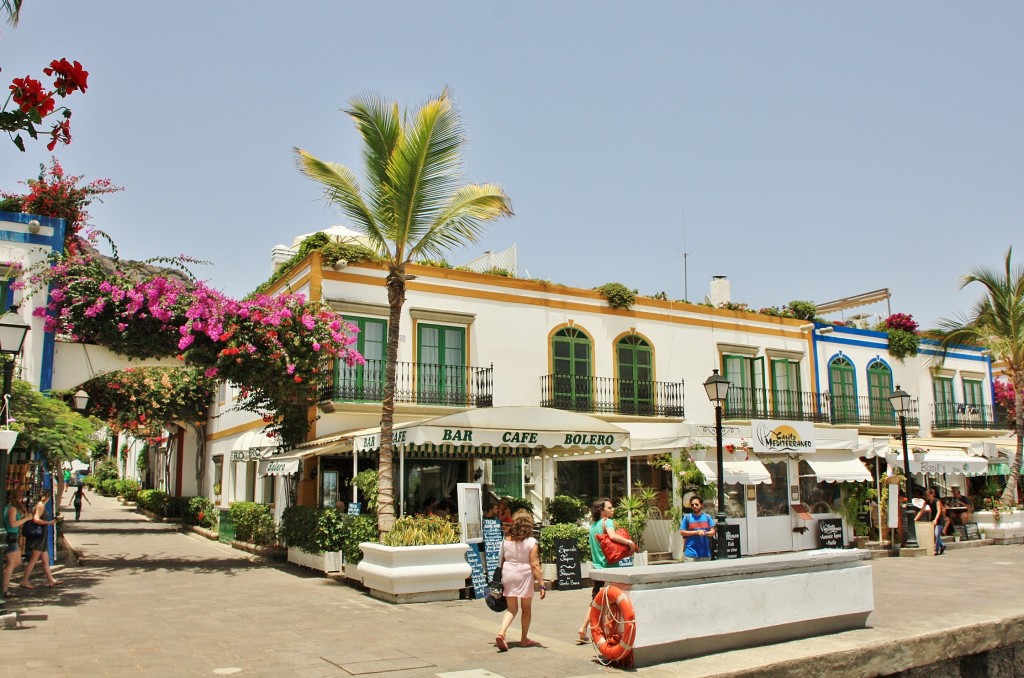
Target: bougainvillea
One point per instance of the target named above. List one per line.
(140, 400)
(901, 321)
(33, 102)
(273, 348)
(60, 195)
(903, 338)
(1004, 397)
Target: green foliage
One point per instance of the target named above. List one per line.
(634, 511)
(128, 488)
(516, 504)
(175, 507)
(498, 271)
(142, 459)
(331, 251)
(550, 533)
(617, 295)
(366, 482)
(357, 530)
(152, 500)
(330, 530)
(299, 527)
(566, 509)
(105, 470)
(421, 531)
(903, 344)
(803, 310)
(253, 523)
(856, 502)
(199, 511)
(436, 263)
(49, 425)
(108, 487)
(140, 399)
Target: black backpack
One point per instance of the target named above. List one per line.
(33, 530)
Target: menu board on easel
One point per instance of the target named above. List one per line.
(972, 531)
(477, 571)
(567, 558)
(492, 544)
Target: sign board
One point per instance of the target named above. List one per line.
(830, 533)
(972, 531)
(732, 541)
(493, 537)
(471, 512)
(782, 437)
(567, 561)
(354, 508)
(477, 567)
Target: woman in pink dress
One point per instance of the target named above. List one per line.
(520, 559)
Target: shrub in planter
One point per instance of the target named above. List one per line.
(299, 527)
(549, 534)
(566, 509)
(105, 470)
(199, 511)
(253, 522)
(174, 507)
(153, 501)
(422, 531)
(357, 529)
(329, 535)
(129, 489)
(515, 504)
(108, 487)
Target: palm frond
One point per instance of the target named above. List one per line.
(379, 123)
(12, 8)
(462, 220)
(342, 189)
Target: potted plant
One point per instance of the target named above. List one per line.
(633, 513)
(299, 533)
(548, 558)
(330, 537)
(419, 560)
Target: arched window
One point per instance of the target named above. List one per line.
(636, 376)
(843, 387)
(879, 390)
(571, 359)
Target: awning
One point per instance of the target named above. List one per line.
(253, 445)
(953, 462)
(75, 465)
(282, 465)
(337, 444)
(740, 436)
(657, 438)
(834, 466)
(498, 432)
(750, 472)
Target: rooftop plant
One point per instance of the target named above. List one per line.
(617, 295)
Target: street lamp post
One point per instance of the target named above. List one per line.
(717, 388)
(900, 401)
(12, 336)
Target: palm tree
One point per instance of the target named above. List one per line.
(997, 322)
(412, 207)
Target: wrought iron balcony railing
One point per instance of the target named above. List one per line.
(825, 408)
(959, 415)
(604, 395)
(419, 383)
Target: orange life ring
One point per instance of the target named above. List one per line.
(613, 624)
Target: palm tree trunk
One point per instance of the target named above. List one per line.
(1009, 496)
(385, 468)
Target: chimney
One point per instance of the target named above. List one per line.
(719, 291)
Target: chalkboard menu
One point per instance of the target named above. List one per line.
(830, 533)
(492, 544)
(477, 567)
(972, 531)
(567, 558)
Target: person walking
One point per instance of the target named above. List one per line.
(15, 515)
(696, 527)
(76, 501)
(601, 512)
(520, 567)
(937, 512)
(37, 546)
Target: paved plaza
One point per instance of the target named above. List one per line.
(147, 599)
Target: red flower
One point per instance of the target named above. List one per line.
(30, 96)
(61, 132)
(70, 77)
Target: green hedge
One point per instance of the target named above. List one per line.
(108, 487)
(253, 523)
(199, 511)
(128, 488)
(357, 529)
(153, 501)
(549, 534)
(299, 527)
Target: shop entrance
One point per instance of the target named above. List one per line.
(774, 525)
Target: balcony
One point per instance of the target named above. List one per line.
(822, 408)
(602, 395)
(417, 383)
(960, 416)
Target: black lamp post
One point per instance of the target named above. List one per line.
(12, 336)
(900, 401)
(717, 388)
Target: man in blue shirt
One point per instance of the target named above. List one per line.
(696, 528)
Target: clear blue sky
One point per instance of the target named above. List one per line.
(804, 150)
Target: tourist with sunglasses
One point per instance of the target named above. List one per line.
(696, 527)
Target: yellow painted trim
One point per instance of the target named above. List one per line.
(234, 430)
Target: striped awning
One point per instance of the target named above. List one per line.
(837, 466)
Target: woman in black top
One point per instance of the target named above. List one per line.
(937, 514)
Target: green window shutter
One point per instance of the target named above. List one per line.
(507, 476)
(364, 383)
(786, 393)
(843, 387)
(945, 403)
(879, 390)
(441, 364)
(636, 375)
(571, 353)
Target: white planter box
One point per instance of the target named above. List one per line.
(332, 561)
(414, 574)
(314, 561)
(352, 571)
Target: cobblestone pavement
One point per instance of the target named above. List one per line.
(148, 599)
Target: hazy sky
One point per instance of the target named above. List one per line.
(804, 150)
